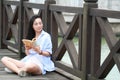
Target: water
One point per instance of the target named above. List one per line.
(113, 74)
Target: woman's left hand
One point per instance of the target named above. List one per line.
(37, 49)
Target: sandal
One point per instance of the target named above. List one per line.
(23, 73)
(8, 70)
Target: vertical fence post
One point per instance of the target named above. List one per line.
(1, 25)
(86, 38)
(51, 26)
(20, 27)
(47, 18)
(1, 5)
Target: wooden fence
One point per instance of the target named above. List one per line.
(89, 22)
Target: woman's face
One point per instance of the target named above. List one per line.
(37, 25)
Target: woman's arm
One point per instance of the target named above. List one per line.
(27, 50)
(44, 53)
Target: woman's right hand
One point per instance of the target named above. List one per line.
(27, 47)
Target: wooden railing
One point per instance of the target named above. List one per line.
(89, 22)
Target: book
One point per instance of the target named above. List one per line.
(28, 42)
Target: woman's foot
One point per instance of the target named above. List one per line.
(23, 73)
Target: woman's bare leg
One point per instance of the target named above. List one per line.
(32, 68)
(17, 66)
(12, 64)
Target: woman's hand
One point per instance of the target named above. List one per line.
(27, 47)
(37, 49)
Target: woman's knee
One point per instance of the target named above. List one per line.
(32, 68)
(5, 58)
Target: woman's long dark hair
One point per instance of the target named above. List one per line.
(31, 32)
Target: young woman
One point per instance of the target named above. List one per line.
(38, 58)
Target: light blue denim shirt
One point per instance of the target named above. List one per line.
(44, 41)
